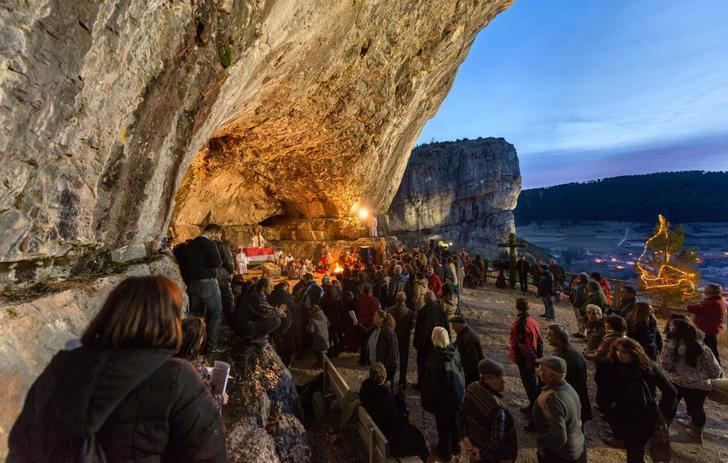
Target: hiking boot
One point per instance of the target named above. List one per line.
(613, 442)
(696, 433)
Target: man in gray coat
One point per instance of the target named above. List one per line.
(557, 416)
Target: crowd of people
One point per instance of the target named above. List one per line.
(140, 356)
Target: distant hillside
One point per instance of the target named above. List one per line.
(692, 196)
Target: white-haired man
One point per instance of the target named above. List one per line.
(443, 388)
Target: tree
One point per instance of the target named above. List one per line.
(666, 269)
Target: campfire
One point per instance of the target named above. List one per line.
(338, 268)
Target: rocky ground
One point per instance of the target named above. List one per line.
(489, 312)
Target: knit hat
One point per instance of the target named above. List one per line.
(553, 362)
(490, 367)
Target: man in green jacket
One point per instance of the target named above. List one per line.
(557, 416)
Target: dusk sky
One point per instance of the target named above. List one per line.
(597, 88)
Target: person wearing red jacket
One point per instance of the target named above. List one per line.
(525, 346)
(709, 316)
(433, 282)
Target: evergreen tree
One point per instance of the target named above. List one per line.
(666, 269)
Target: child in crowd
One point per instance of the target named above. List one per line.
(193, 343)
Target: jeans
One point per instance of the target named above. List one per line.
(530, 383)
(712, 343)
(548, 305)
(694, 401)
(205, 301)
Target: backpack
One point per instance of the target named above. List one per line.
(455, 378)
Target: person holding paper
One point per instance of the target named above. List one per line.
(193, 342)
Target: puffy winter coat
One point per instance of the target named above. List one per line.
(141, 405)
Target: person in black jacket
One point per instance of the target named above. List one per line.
(390, 415)
(282, 337)
(546, 293)
(469, 348)
(224, 276)
(523, 268)
(382, 345)
(429, 316)
(642, 327)
(255, 318)
(121, 395)
(443, 389)
(202, 259)
(630, 398)
(405, 320)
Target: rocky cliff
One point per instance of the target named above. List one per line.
(256, 108)
(463, 192)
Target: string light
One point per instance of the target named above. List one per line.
(679, 279)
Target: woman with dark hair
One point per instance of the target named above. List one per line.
(642, 327)
(630, 397)
(193, 343)
(615, 328)
(122, 395)
(691, 366)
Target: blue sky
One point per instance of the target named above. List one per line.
(588, 89)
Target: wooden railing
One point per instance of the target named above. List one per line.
(335, 387)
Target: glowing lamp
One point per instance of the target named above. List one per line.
(363, 213)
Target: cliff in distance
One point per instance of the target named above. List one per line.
(463, 192)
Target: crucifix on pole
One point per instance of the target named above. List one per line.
(512, 246)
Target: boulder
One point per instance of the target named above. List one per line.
(264, 405)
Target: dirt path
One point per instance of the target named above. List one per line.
(489, 312)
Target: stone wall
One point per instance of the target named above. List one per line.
(462, 192)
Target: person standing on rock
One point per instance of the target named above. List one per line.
(557, 416)
(523, 268)
(203, 259)
(429, 317)
(486, 428)
(525, 347)
(224, 276)
(404, 319)
(469, 348)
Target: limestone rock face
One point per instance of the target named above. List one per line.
(300, 108)
(463, 192)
